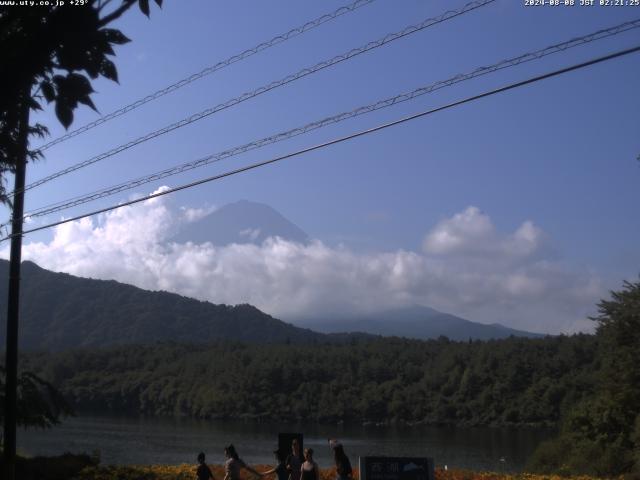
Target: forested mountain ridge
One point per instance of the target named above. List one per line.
(60, 311)
(502, 382)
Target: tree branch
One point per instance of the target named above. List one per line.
(126, 5)
(102, 5)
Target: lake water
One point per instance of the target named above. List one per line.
(126, 440)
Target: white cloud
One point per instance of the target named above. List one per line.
(194, 214)
(468, 231)
(472, 234)
(467, 268)
(250, 233)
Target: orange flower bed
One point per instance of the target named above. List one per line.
(454, 474)
(187, 472)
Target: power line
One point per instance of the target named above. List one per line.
(266, 88)
(344, 138)
(388, 102)
(294, 32)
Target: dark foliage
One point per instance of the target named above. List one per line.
(39, 403)
(601, 435)
(502, 382)
(47, 54)
(62, 467)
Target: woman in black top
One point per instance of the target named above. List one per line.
(309, 469)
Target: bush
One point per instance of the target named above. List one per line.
(62, 467)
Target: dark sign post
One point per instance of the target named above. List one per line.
(284, 443)
(396, 468)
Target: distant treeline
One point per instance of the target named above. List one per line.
(514, 381)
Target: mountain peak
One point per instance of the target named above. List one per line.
(415, 321)
(243, 221)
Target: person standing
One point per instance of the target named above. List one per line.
(203, 472)
(343, 465)
(294, 461)
(309, 469)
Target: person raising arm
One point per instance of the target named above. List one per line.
(234, 464)
(280, 469)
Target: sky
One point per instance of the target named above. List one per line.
(520, 208)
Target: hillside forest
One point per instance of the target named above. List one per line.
(505, 382)
(586, 386)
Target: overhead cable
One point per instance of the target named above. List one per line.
(388, 102)
(341, 139)
(266, 88)
(294, 32)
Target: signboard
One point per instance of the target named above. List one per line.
(396, 468)
(284, 443)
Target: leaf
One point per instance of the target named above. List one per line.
(64, 113)
(72, 55)
(86, 100)
(107, 49)
(159, 3)
(78, 85)
(92, 70)
(34, 104)
(59, 81)
(108, 70)
(92, 66)
(48, 91)
(115, 36)
(144, 6)
(35, 155)
(39, 130)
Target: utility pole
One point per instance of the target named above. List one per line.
(13, 303)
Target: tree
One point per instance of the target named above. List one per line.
(47, 53)
(41, 405)
(601, 435)
(619, 334)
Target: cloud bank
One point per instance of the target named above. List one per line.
(466, 267)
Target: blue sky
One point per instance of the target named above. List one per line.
(560, 154)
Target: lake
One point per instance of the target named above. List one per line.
(126, 440)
